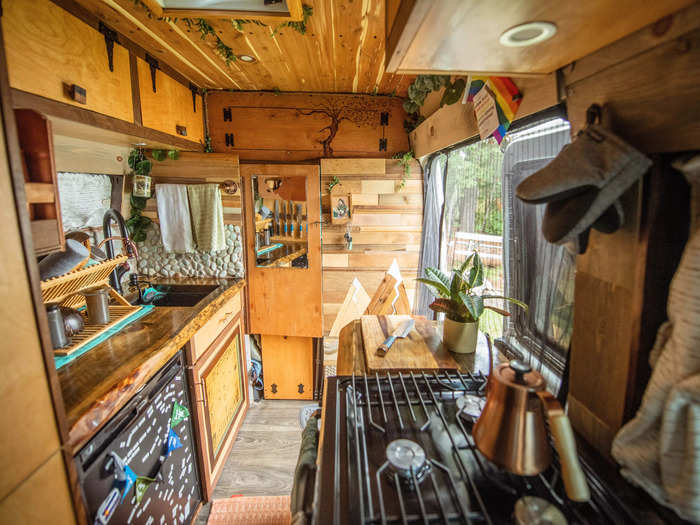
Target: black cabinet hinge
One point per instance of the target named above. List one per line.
(301, 388)
(110, 38)
(273, 388)
(227, 115)
(195, 90)
(153, 63)
(384, 118)
(382, 144)
(229, 140)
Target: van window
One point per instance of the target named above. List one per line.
(537, 272)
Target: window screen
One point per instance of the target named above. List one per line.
(537, 272)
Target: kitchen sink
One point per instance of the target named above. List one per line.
(178, 294)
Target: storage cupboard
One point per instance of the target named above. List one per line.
(218, 384)
(172, 108)
(49, 50)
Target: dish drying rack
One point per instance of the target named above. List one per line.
(65, 290)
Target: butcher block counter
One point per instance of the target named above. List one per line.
(97, 384)
(351, 357)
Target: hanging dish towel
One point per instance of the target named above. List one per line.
(174, 218)
(207, 216)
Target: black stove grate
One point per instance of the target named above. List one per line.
(457, 483)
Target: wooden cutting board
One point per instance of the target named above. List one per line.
(422, 349)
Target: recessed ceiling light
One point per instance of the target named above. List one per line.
(246, 58)
(528, 34)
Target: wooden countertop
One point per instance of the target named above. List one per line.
(98, 383)
(351, 357)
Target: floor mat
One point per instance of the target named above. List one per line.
(244, 510)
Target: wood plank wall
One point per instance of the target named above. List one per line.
(386, 224)
(299, 127)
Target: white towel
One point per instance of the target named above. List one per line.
(174, 217)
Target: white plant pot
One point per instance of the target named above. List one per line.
(460, 337)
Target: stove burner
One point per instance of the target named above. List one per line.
(470, 406)
(407, 458)
(531, 510)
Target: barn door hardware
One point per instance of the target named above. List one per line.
(153, 63)
(194, 89)
(227, 115)
(301, 388)
(273, 388)
(229, 140)
(384, 118)
(181, 130)
(110, 38)
(382, 144)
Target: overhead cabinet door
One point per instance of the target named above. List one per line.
(48, 50)
(170, 107)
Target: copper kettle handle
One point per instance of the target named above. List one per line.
(572, 474)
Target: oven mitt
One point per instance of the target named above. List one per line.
(567, 218)
(597, 159)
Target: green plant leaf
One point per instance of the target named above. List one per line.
(474, 305)
(453, 92)
(451, 309)
(138, 203)
(457, 285)
(158, 154)
(509, 299)
(437, 286)
(173, 154)
(465, 264)
(476, 273)
(143, 167)
(504, 313)
(439, 275)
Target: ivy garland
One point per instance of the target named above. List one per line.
(226, 52)
(405, 159)
(424, 84)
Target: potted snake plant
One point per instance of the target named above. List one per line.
(460, 298)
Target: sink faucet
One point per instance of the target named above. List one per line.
(110, 215)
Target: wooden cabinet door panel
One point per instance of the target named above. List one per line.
(170, 106)
(288, 367)
(46, 47)
(219, 386)
(284, 301)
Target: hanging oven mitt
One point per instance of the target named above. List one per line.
(583, 183)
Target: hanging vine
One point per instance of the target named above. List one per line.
(419, 90)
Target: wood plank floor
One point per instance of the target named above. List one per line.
(264, 455)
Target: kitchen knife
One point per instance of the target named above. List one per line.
(401, 331)
(284, 216)
(290, 218)
(277, 217)
(299, 228)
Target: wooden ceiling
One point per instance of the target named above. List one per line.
(341, 52)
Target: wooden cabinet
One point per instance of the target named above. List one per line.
(218, 384)
(40, 185)
(170, 108)
(288, 367)
(48, 50)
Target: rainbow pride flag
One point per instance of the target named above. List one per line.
(506, 96)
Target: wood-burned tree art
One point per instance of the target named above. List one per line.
(359, 110)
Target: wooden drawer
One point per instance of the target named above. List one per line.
(206, 335)
(46, 47)
(170, 106)
(218, 383)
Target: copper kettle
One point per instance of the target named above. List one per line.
(511, 431)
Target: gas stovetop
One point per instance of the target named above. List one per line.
(397, 448)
